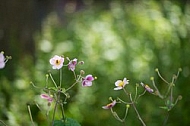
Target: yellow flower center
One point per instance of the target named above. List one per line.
(57, 62)
(146, 86)
(121, 84)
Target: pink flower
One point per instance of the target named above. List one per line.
(147, 88)
(87, 81)
(72, 64)
(121, 84)
(47, 97)
(110, 105)
(56, 62)
(2, 61)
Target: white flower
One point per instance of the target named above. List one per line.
(2, 61)
(56, 62)
(121, 84)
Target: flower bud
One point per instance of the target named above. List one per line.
(156, 69)
(127, 105)
(81, 62)
(137, 85)
(180, 69)
(110, 98)
(179, 97)
(82, 72)
(151, 78)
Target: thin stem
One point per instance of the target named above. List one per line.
(139, 117)
(2, 123)
(140, 96)
(171, 95)
(55, 108)
(162, 77)
(77, 80)
(36, 86)
(126, 112)
(47, 77)
(176, 76)
(125, 91)
(52, 80)
(136, 92)
(122, 101)
(60, 77)
(30, 114)
(62, 111)
(75, 75)
(71, 86)
(116, 115)
(169, 88)
(153, 83)
(166, 119)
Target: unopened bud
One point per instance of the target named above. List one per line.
(127, 105)
(151, 78)
(179, 97)
(67, 95)
(156, 69)
(82, 72)
(180, 69)
(110, 98)
(81, 62)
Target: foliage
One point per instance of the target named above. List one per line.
(122, 40)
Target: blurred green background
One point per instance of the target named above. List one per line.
(115, 39)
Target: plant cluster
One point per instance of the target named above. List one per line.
(57, 95)
(168, 96)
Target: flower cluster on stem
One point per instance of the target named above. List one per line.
(121, 85)
(53, 94)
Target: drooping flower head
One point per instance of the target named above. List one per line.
(110, 105)
(87, 81)
(47, 97)
(56, 62)
(121, 84)
(147, 88)
(72, 64)
(2, 61)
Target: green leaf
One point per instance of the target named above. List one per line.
(164, 107)
(67, 122)
(58, 123)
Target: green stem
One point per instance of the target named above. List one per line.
(166, 119)
(30, 114)
(153, 83)
(139, 117)
(60, 77)
(52, 80)
(62, 111)
(55, 108)
(162, 78)
(2, 123)
(133, 104)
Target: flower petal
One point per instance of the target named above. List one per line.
(117, 82)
